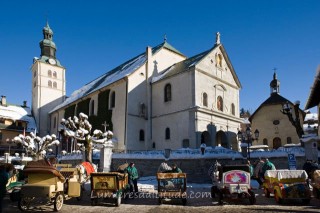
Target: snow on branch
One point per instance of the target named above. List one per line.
(36, 146)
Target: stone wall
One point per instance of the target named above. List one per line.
(196, 169)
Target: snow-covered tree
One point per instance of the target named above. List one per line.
(80, 129)
(35, 146)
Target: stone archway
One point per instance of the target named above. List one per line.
(221, 139)
(206, 138)
(276, 143)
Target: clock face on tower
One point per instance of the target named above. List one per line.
(52, 61)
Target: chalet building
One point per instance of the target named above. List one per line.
(14, 120)
(314, 101)
(274, 127)
(159, 99)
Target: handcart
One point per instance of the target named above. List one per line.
(109, 186)
(235, 184)
(47, 185)
(287, 184)
(172, 186)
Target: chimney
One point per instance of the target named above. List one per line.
(24, 104)
(3, 100)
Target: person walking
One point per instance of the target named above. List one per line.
(133, 178)
(250, 169)
(4, 177)
(257, 170)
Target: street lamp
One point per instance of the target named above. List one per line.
(287, 110)
(246, 137)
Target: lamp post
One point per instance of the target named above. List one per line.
(246, 137)
(287, 110)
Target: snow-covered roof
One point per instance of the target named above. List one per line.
(20, 113)
(114, 75)
(311, 116)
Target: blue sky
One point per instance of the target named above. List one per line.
(92, 37)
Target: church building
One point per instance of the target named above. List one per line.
(159, 99)
(274, 127)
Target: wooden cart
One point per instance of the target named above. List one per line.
(287, 184)
(47, 185)
(109, 186)
(172, 186)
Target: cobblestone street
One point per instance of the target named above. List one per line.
(199, 200)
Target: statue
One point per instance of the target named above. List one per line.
(217, 38)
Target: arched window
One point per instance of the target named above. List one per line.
(141, 135)
(35, 74)
(233, 110)
(265, 141)
(289, 140)
(167, 133)
(112, 100)
(220, 103)
(167, 93)
(49, 73)
(54, 74)
(205, 99)
(54, 84)
(91, 107)
(49, 83)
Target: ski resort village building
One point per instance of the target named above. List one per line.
(159, 99)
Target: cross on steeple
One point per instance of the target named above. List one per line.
(165, 38)
(105, 126)
(274, 69)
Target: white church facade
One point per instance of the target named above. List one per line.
(159, 99)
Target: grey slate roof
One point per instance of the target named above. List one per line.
(114, 75)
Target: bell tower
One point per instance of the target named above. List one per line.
(275, 85)
(48, 82)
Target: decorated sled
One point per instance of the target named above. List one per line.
(235, 184)
(287, 184)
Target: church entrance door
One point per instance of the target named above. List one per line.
(276, 143)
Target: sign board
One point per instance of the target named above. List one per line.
(292, 162)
